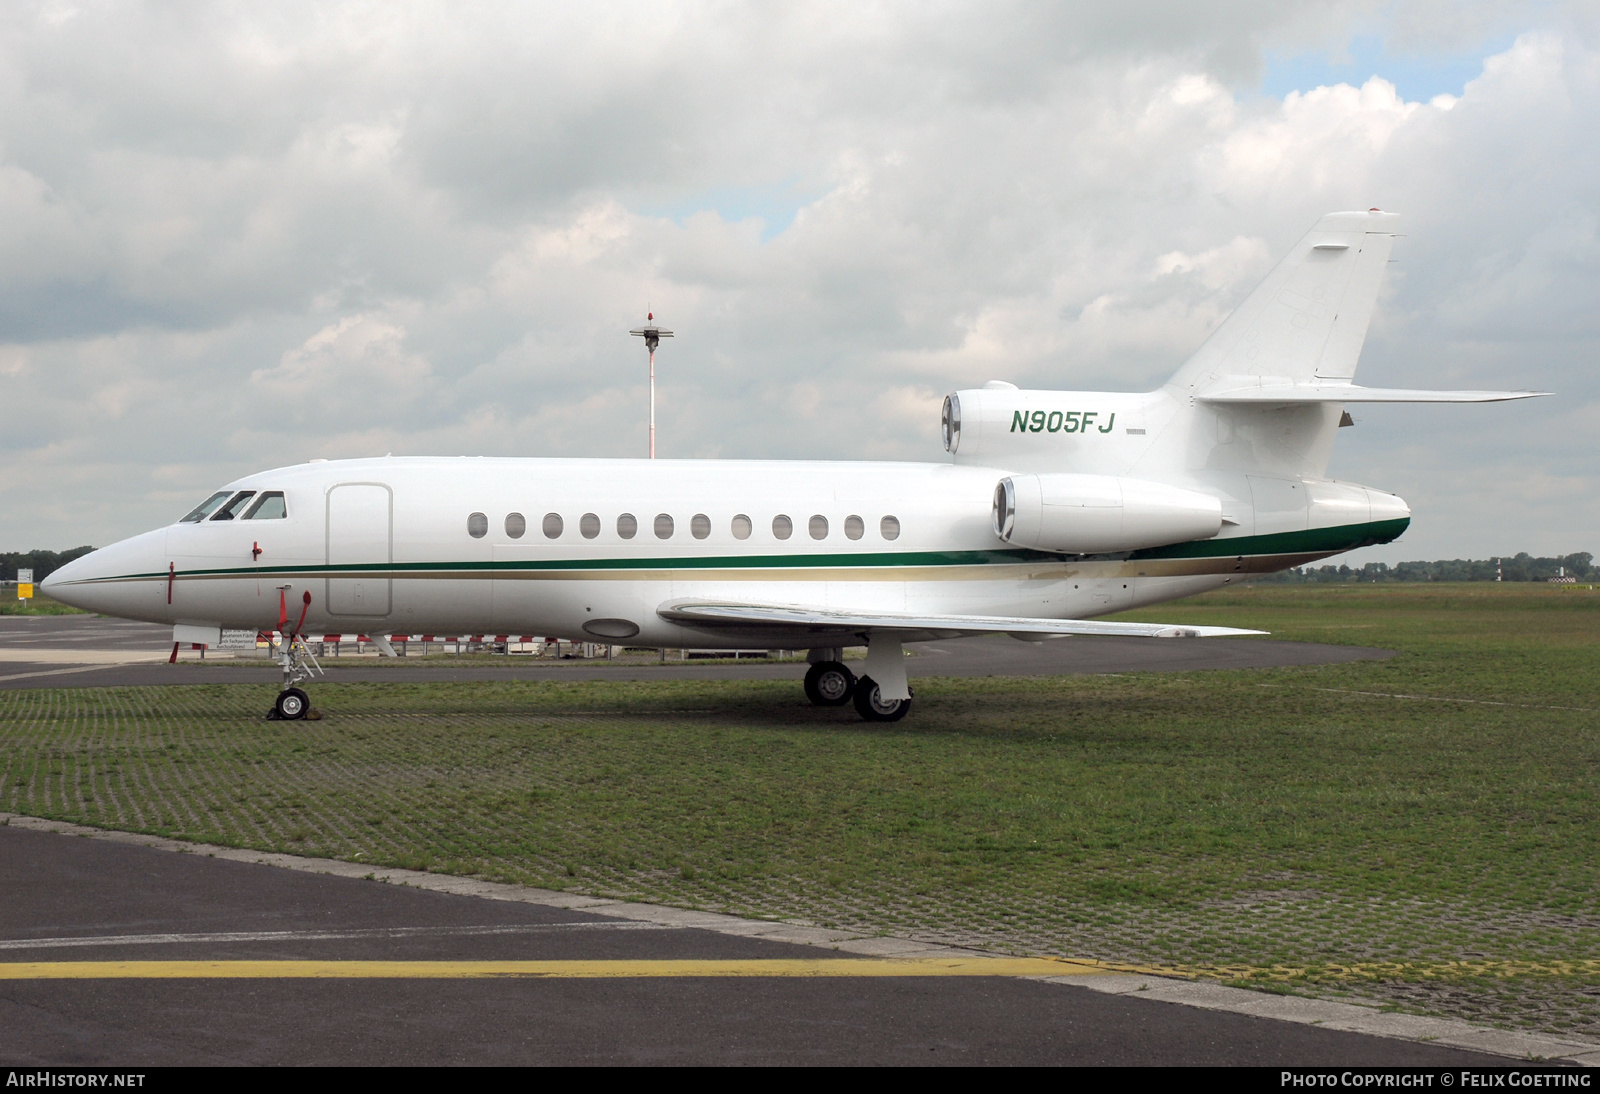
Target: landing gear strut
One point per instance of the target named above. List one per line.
(297, 662)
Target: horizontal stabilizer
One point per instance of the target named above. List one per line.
(1283, 394)
(812, 620)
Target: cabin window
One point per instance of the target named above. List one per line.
(782, 526)
(553, 525)
(233, 508)
(588, 526)
(818, 526)
(516, 525)
(268, 506)
(889, 527)
(699, 526)
(627, 526)
(741, 527)
(205, 508)
(854, 527)
(477, 525)
(663, 526)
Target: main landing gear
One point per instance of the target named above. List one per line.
(872, 706)
(830, 684)
(298, 663)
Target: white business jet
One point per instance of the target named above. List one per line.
(1053, 508)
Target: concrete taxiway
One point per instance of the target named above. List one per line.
(110, 952)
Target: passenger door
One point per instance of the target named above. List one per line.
(361, 542)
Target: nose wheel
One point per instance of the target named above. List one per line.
(829, 684)
(291, 704)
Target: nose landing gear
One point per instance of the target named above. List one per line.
(297, 662)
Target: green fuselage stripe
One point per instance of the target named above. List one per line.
(1346, 537)
(1314, 541)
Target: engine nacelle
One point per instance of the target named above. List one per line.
(1100, 514)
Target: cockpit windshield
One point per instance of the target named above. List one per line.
(206, 508)
(233, 508)
(269, 506)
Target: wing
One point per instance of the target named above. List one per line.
(788, 622)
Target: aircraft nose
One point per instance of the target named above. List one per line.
(124, 579)
(60, 585)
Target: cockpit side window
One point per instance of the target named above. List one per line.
(205, 508)
(269, 506)
(231, 510)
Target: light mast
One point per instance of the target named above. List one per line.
(652, 333)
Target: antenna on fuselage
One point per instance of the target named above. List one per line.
(652, 333)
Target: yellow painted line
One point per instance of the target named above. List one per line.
(771, 967)
(581, 970)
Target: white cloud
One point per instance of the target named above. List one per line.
(354, 357)
(231, 237)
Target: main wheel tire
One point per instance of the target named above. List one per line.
(829, 684)
(292, 703)
(871, 706)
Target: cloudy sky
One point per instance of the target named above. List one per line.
(234, 236)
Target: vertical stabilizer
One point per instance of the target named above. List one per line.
(1306, 322)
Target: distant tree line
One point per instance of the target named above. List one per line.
(1520, 567)
(40, 562)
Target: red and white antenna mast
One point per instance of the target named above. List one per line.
(652, 333)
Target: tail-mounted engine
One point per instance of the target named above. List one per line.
(1099, 514)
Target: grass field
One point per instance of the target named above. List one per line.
(38, 605)
(1421, 831)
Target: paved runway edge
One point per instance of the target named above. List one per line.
(1084, 972)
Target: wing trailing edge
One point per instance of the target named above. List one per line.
(807, 621)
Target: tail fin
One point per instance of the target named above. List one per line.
(1306, 322)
